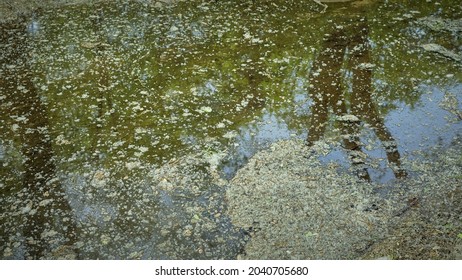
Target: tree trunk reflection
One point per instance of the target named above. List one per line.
(46, 221)
(327, 92)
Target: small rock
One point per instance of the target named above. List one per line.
(349, 118)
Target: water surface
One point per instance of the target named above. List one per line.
(96, 101)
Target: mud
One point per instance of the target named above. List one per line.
(297, 208)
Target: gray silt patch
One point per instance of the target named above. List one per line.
(297, 208)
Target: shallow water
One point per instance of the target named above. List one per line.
(95, 100)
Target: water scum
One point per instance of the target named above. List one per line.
(231, 129)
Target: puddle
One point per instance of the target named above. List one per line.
(101, 103)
